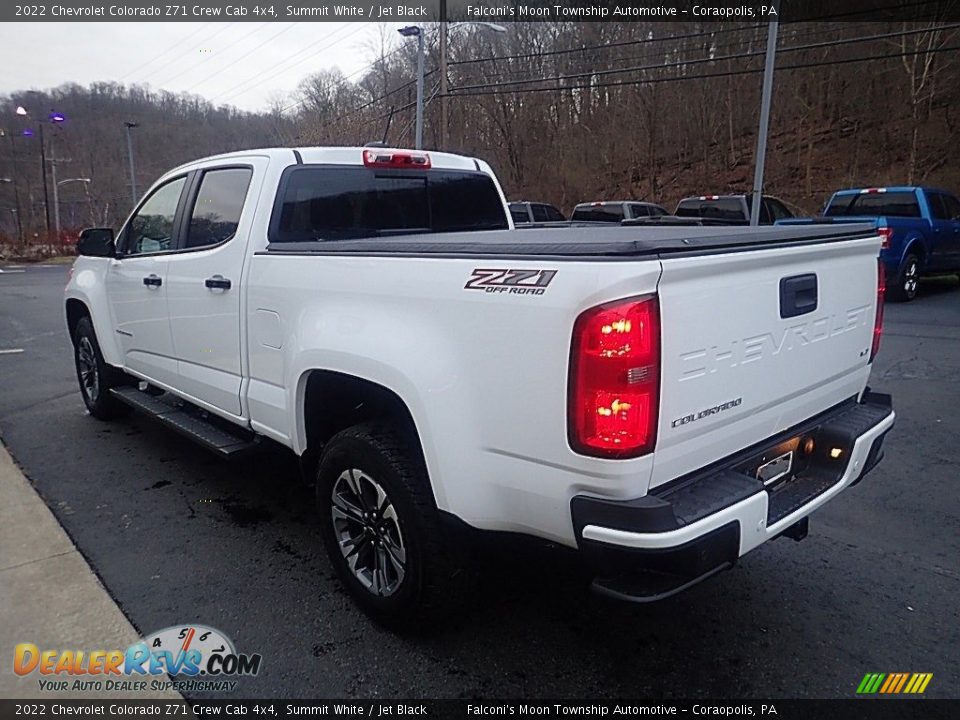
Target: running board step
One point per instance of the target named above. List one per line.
(224, 443)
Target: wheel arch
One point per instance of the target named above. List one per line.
(75, 310)
(331, 401)
(915, 246)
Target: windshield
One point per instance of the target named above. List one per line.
(336, 202)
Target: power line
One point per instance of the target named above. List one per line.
(648, 56)
(288, 28)
(604, 46)
(700, 61)
(169, 49)
(727, 73)
(249, 85)
(229, 45)
(357, 72)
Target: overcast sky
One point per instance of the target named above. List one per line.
(242, 64)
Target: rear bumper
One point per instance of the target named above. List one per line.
(690, 529)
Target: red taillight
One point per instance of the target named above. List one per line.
(878, 321)
(394, 159)
(885, 233)
(615, 379)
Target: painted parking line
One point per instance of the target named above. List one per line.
(11, 351)
(11, 271)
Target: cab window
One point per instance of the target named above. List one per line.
(216, 211)
(150, 230)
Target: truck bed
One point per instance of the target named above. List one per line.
(626, 242)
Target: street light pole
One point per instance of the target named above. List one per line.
(420, 89)
(765, 100)
(133, 177)
(43, 172)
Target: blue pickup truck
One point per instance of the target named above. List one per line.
(920, 227)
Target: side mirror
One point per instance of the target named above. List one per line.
(96, 242)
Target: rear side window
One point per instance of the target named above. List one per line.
(546, 213)
(952, 206)
(838, 205)
(778, 211)
(944, 207)
(720, 209)
(891, 204)
(937, 206)
(342, 202)
(216, 211)
(599, 213)
(553, 215)
(518, 211)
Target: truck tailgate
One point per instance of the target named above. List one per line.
(755, 342)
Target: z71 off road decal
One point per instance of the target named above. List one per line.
(517, 282)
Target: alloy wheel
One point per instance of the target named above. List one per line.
(367, 530)
(87, 365)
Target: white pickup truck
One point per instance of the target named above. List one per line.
(662, 399)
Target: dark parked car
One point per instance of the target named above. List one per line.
(732, 209)
(614, 211)
(524, 212)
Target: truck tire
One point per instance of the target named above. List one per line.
(905, 287)
(382, 529)
(95, 376)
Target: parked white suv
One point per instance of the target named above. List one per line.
(663, 398)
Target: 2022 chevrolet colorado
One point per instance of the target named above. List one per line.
(662, 399)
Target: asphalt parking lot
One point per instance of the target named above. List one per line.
(178, 536)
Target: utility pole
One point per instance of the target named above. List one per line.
(133, 177)
(56, 195)
(444, 121)
(16, 190)
(43, 172)
(764, 122)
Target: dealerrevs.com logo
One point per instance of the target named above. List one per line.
(196, 657)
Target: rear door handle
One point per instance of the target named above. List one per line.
(217, 282)
(153, 281)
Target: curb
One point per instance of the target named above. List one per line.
(50, 596)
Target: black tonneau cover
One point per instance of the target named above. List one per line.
(584, 242)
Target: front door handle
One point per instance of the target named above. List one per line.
(217, 282)
(153, 281)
